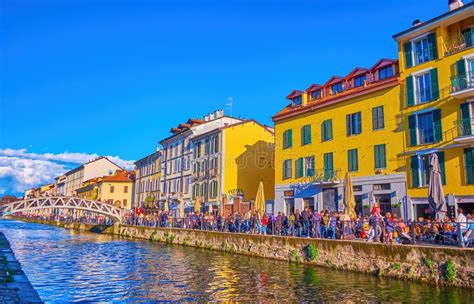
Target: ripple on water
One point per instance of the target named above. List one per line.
(68, 266)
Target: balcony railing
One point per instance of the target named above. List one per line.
(465, 127)
(322, 175)
(462, 82)
(458, 43)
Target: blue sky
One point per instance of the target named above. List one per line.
(112, 77)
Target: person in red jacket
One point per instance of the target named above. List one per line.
(264, 224)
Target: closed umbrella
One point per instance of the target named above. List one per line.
(181, 209)
(436, 198)
(197, 205)
(349, 200)
(165, 206)
(260, 198)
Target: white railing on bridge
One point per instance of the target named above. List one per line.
(62, 203)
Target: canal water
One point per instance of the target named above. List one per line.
(70, 266)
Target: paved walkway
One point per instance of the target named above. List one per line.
(14, 285)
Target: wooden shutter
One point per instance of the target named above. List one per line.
(467, 33)
(465, 125)
(329, 129)
(469, 162)
(461, 77)
(434, 84)
(359, 122)
(438, 130)
(410, 93)
(408, 55)
(415, 177)
(442, 166)
(290, 138)
(413, 131)
(433, 51)
(348, 124)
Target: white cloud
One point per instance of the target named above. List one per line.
(21, 170)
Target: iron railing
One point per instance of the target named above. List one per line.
(465, 127)
(458, 43)
(461, 82)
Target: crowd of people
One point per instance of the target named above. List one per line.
(387, 228)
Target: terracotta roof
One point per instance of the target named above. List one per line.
(356, 72)
(313, 87)
(384, 62)
(294, 94)
(119, 176)
(333, 80)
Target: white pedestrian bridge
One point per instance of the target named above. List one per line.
(61, 202)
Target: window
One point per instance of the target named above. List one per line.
(125, 189)
(469, 162)
(421, 50)
(379, 187)
(315, 94)
(425, 128)
(112, 188)
(287, 139)
(306, 135)
(466, 125)
(359, 81)
(309, 166)
(354, 123)
(420, 169)
(380, 158)
(299, 167)
(377, 118)
(336, 88)
(423, 88)
(297, 101)
(386, 72)
(353, 162)
(125, 202)
(287, 169)
(326, 130)
(328, 166)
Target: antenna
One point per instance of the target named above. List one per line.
(229, 104)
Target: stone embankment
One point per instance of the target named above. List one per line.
(14, 285)
(436, 265)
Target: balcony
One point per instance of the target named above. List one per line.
(465, 128)
(458, 44)
(322, 176)
(462, 85)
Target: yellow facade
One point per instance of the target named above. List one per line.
(248, 150)
(436, 48)
(117, 193)
(231, 161)
(303, 172)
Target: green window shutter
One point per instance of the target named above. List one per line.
(413, 131)
(329, 129)
(460, 80)
(415, 178)
(408, 55)
(432, 46)
(438, 130)
(469, 162)
(467, 37)
(442, 166)
(301, 160)
(323, 131)
(348, 125)
(434, 84)
(359, 122)
(353, 164)
(303, 135)
(380, 156)
(465, 127)
(290, 138)
(328, 166)
(410, 93)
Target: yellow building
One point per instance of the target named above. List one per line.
(230, 161)
(147, 181)
(115, 189)
(349, 124)
(436, 72)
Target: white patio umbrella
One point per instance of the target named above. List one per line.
(436, 197)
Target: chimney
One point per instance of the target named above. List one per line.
(454, 4)
(416, 22)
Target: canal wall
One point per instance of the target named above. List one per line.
(14, 284)
(435, 265)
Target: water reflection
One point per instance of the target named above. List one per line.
(69, 266)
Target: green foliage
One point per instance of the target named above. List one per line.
(209, 247)
(329, 262)
(427, 262)
(152, 236)
(293, 253)
(396, 266)
(169, 238)
(451, 271)
(312, 252)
